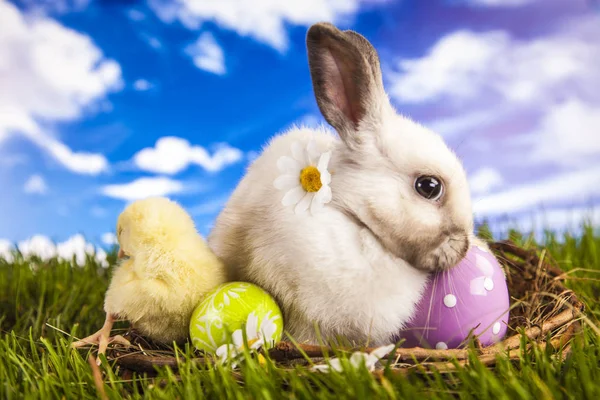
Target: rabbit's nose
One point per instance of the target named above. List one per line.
(453, 248)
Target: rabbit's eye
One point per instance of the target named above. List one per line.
(429, 187)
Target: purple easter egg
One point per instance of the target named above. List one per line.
(471, 296)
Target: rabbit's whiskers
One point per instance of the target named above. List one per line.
(427, 321)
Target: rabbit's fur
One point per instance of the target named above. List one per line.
(358, 268)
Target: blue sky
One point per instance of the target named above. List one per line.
(96, 97)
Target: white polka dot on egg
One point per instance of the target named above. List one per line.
(496, 328)
(441, 346)
(488, 284)
(449, 300)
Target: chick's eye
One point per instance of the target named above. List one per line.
(429, 187)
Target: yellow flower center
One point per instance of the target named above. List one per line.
(310, 179)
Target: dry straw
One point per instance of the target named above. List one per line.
(542, 309)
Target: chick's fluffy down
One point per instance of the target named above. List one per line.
(169, 270)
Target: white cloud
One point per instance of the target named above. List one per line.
(455, 66)
(564, 218)
(56, 6)
(109, 239)
(569, 134)
(50, 73)
(172, 155)
(136, 15)
(207, 54)
(35, 185)
(100, 257)
(154, 42)
(554, 219)
(485, 180)
(464, 66)
(75, 247)
(142, 188)
(262, 20)
(142, 85)
(474, 121)
(6, 250)
(38, 245)
(577, 186)
(79, 162)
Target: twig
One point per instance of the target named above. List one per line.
(285, 351)
(534, 332)
(529, 256)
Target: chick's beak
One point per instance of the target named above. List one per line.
(121, 254)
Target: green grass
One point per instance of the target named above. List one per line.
(36, 361)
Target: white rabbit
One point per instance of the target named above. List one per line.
(400, 208)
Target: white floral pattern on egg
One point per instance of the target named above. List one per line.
(230, 307)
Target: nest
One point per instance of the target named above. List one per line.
(542, 309)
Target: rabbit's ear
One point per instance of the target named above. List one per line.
(346, 78)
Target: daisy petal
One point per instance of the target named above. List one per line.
(267, 328)
(293, 196)
(336, 364)
(325, 177)
(286, 182)
(226, 352)
(238, 338)
(324, 161)
(324, 195)
(252, 327)
(321, 368)
(258, 343)
(288, 165)
(358, 358)
(382, 351)
(222, 351)
(304, 204)
(313, 152)
(298, 153)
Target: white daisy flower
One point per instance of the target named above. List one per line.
(226, 353)
(256, 336)
(305, 178)
(357, 359)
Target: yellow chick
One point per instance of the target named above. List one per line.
(166, 268)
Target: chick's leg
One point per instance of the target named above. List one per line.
(102, 337)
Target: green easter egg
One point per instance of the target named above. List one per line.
(228, 308)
